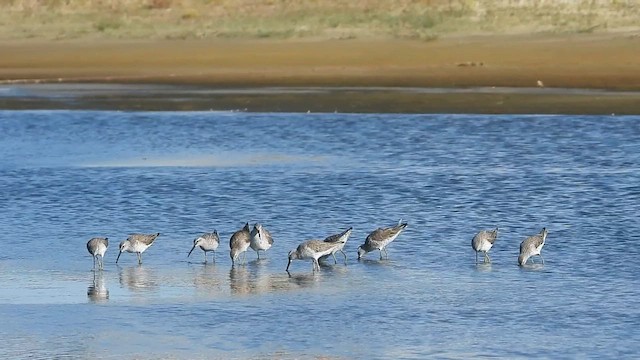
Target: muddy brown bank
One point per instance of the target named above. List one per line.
(570, 74)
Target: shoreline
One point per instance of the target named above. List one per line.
(151, 97)
(569, 74)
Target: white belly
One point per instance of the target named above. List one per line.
(101, 250)
(259, 243)
(485, 246)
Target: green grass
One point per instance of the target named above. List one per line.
(283, 19)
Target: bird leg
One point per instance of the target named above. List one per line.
(139, 259)
(541, 258)
(345, 257)
(487, 259)
(94, 262)
(476, 258)
(335, 261)
(205, 257)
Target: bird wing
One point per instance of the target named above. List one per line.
(381, 234)
(239, 237)
(335, 237)
(487, 235)
(268, 236)
(146, 239)
(332, 238)
(319, 246)
(532, 242)
(537, 241)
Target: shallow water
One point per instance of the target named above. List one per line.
(67, 176)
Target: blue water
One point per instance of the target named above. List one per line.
(67, 176)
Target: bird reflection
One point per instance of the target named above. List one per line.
(239, 280)
(257, 279)
(97, 291)
(532, 267)
(375, 262)
(206, 278)
(483, 267)
(137, 278)
(303, 280)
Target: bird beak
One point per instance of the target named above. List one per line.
(289, 263)
(118, 258)
(191, 250)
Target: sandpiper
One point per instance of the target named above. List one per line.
(97, 247)
(311, 249)
(239, 242)
(137, 243)
(260, 239)
(483, 241)
(379, 239)
(340, 240)
(207, 242)
(532, 246)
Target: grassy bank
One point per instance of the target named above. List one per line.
(326, 19)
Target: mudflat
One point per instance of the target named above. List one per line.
(572, 73)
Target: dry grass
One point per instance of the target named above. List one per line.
(337, 19)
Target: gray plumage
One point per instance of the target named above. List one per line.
(239, 242)
(261, 239)
(207, 242)
(97, 247)
(379, 239)
(311, 249)
(483, 241)
(340, 240)
(137, 243)
(532, 246)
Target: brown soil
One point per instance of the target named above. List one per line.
(580, 61)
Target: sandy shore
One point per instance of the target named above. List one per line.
(503, 73)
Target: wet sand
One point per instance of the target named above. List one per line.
(574, 74)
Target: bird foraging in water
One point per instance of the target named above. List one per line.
(97, 247)
(532, 246)
(260, 239)
(207, 242)
(239, 243)
(340, 240)
(311, 249)
(483, 241)
(137, 243)
(379, 239)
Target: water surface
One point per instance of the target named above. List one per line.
(67, 176)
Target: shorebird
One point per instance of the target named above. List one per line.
(137, 243)
(239, 243)
(311, 249)
(207, 242)
(340, 240)
(483, 241)
(260, 239)
(97, 247)
(532, 246)
(380, 238)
